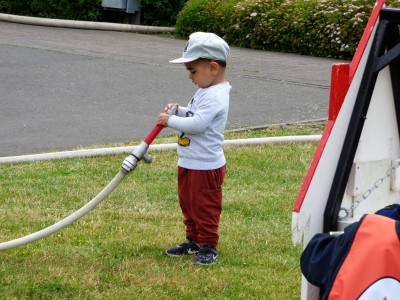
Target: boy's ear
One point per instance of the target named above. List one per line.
(214, 66)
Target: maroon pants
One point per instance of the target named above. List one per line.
(200, 198)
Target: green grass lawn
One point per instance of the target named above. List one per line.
(116, 251)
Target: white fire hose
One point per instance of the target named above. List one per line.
(128, 165)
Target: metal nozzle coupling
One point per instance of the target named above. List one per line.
(129, 164)
(131, 161)
(147, 158)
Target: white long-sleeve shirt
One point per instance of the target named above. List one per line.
(201, 125)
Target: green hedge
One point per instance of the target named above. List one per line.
(161, 12)
(205, 15)
(85, 10)
(327, 28)
(154, 12)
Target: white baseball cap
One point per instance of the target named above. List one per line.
(204, 45)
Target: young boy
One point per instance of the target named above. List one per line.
(201, 163)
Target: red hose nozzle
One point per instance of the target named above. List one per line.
(153, 134)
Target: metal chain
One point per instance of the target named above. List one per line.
(345, 212)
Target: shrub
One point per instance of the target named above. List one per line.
(205, 15)
(340, 26)
(160, 12)
(328, 28)
(14, 7)
(321, 28)
(292, 33)
(252, 22)
(86, 10)
(154, 12)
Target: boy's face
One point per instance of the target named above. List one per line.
(202, 72)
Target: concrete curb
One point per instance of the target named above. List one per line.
(84, 24)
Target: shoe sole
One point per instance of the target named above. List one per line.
(175, 255)
(204, 264)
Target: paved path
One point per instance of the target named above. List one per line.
(65, 88)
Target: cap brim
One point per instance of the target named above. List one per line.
(182, 60)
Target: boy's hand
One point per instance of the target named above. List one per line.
(163, 119)
(169, 110)
(170, 106)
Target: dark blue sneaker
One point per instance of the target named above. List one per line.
(206, 256)
(187, 248)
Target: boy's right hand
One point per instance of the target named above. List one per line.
(163, 119)
(170, 106)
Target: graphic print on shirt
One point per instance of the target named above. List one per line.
(183, 140)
